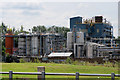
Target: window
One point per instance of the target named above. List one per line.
(97, 30)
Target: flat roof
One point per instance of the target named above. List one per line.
(60, 54)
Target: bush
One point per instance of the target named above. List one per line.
(63, 62)
(22, 60)
(111, 64)
(15, 59)
(9, 58)
(76, 62)
(68, 61)
(36, 60)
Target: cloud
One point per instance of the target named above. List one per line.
(29, 14)
(22, 5)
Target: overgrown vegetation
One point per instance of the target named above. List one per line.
(22, 60)
(86, 63)
(76, 62)
(68, 61)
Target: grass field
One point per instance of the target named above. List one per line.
(56, 68)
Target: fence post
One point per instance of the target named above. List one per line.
(43, 75)
(112, 76)
(10, 75)
(77, 75)
(42, 70)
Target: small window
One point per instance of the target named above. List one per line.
(97, 30)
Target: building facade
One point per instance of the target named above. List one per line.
(94, 27)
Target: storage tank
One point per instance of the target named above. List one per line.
(34, 45)
(22, 45)
(79, 50)
(80, 37)
(89, 50)
(28, 45)
(69, 40)
(9, 42)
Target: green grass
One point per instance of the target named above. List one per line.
(56, 68)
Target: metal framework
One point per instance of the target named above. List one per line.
(47, 43)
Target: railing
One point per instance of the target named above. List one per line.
(77, 74)
(41, 74)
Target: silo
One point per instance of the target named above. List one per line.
(79, 50)
(69, 40)
(89, 50)
(80, 37)
(35, 44)
(21, 45)
(28, 45)
(9, 43)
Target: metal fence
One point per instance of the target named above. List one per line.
(77, 74)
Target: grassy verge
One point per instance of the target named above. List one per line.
(56, 68)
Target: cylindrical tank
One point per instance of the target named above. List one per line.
(80, 37)
(21, 45)
(89, 50)
(69, 40)
(9, 43)
(28, 44)
(35, 45)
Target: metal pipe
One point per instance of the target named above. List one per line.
(65, 74)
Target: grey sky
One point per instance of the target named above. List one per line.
(28, 14)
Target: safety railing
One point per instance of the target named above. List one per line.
(41, 74)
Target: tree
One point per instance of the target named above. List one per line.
(21, 29)
(41, 28)
(3, 53)
(13, 29)
(34, 29)
(61, 30)
(4, 28)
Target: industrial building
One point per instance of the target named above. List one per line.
(40, 44)
(9, 43)
(90, 38)
(35, 44)
(94, 27)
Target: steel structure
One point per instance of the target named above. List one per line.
(91, 28)
(97, 34)
(39, 44)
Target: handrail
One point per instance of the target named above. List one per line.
(66, 74)
(112, 75)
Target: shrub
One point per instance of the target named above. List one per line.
(22, 60)
(63, 62)
(82, 63)
(68, 61)
(110, 64)
(9, 58)
(37, 60)
(76, 62)
(87, 63)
